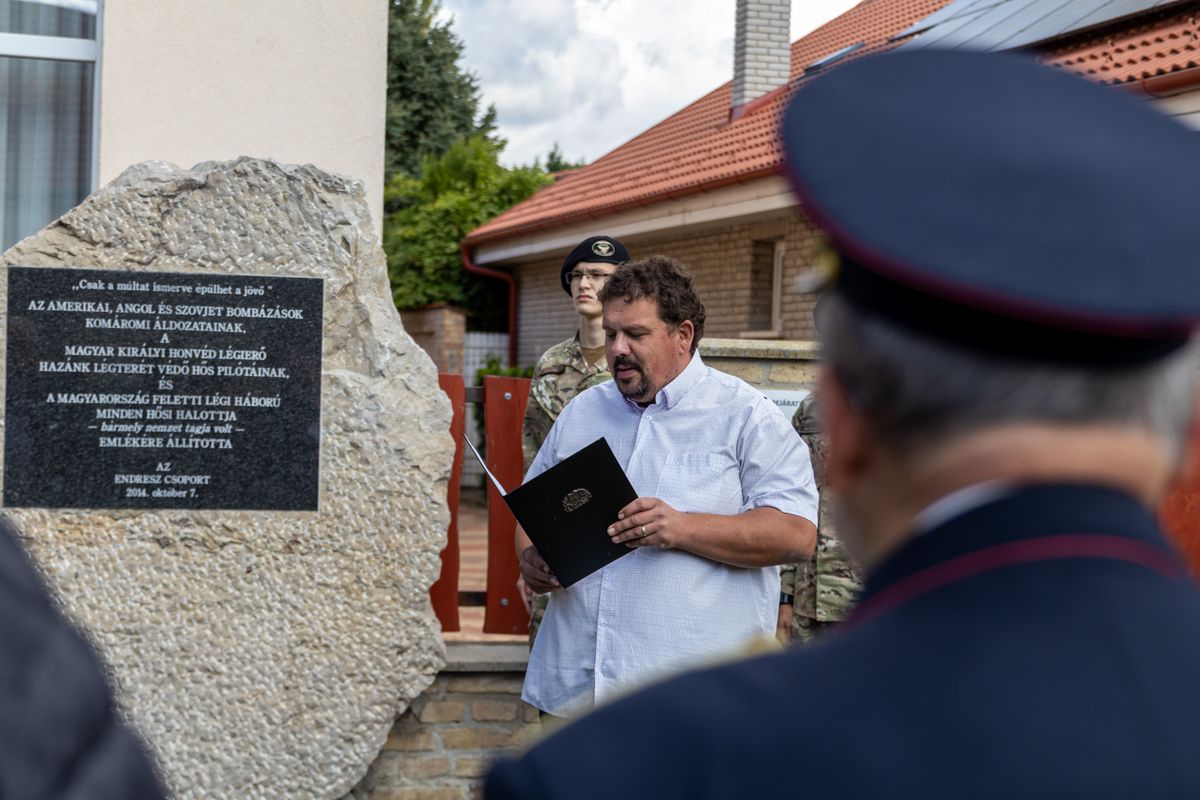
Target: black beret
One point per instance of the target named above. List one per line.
(604, 249)
(998, 203)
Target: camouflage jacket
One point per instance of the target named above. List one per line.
(825, 586)
(560, 374)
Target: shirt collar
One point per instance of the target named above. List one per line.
(958, 503)
(674, 391)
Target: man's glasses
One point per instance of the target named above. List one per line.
(597, 277)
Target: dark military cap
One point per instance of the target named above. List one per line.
(604, 249)
(1003, 205)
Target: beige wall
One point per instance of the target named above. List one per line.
(299, 81)
(1184, 107)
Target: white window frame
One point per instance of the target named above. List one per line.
(777, 288)
(60, 48)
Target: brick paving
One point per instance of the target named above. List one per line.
(472, 544)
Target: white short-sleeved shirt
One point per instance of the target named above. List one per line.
(710, 443)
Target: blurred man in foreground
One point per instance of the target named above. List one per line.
(1009, 377)
(60, 735)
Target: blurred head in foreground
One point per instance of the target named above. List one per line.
(1011, 283)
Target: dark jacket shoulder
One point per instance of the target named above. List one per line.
(1059, 677)
(60, 734)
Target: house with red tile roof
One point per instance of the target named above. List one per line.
(705, 185)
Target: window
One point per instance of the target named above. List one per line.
(48, 87)
(764, 319)
(832, 58)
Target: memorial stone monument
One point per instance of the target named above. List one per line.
(230, 462)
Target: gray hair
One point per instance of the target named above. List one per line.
(917, 390)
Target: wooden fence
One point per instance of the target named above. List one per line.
(503, 404)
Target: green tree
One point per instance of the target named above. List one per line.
(430, 214)
(557, 162)
(431, 100)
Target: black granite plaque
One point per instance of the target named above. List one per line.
(162, 390)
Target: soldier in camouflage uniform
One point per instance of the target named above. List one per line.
(561, 373)
(825, 586)
(569, 367)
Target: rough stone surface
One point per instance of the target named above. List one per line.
(265, 654)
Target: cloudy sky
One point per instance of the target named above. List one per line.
(591, 74)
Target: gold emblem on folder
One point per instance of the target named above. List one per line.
(576, 499)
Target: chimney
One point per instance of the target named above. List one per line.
(762, 57)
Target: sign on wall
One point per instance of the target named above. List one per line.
(788, 400)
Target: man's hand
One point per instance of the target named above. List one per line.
(783, 627)
(760, 537)
(526, 594)
(649, 522)
(536, 571)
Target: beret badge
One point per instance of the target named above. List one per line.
(602, 248)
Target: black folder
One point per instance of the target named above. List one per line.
(567, 509)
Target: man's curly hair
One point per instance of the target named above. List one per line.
(667, 282)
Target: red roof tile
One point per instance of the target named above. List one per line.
(699, 148)
(1165, 45)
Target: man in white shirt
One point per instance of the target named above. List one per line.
(725, 489)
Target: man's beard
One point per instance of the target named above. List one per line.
(641, 387)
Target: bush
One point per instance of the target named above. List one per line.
(491, 366)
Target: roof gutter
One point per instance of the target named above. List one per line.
(488, 272)
(1169, 84)
(639, 202)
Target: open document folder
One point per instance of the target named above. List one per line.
(567, 509)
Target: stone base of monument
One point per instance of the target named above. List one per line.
(257, 584)
(441, 747)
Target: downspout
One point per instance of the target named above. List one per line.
(488, 272)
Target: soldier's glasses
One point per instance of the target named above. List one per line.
(597, 277)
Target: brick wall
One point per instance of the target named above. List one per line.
(720, 258)
(441, 747)
(439, 331)
(545, 313)
(764, 364)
